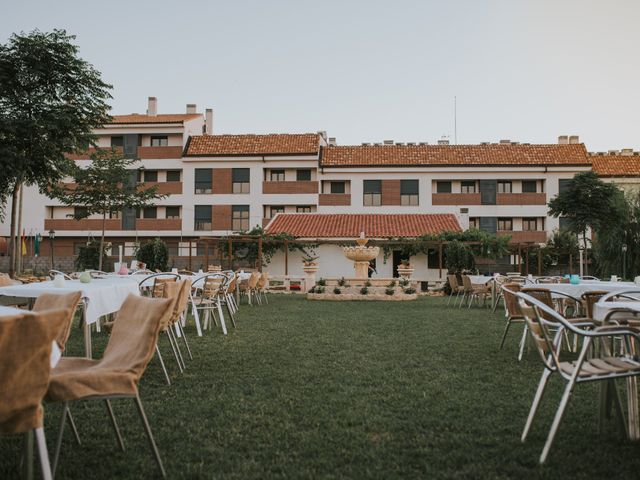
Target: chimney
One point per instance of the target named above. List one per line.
(443, 142)
(574, 139)
(563, 140)
(191, 108)
(388, 142)
(505, 142)
(152, 109)
(626, 151)
(208, 121)
(332, 141)
(463, 219)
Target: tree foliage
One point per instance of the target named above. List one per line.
(458, 257)
(89, 256)
(155, 254)
(272, 243)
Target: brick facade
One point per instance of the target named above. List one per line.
(334, 199)
(290, 187)
(221, 216)
(221, 180)
(84, 224)
(455, 199)
(166, 188)
(521, 199)
(390, 192)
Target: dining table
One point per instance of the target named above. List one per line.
(576, 290)
(99, 297)
(56, 353)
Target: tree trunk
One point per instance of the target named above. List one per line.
(586, 253)
(19, 232)
(104, 223)
(12, 249)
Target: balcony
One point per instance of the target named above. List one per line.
(163, 224)
(87, 154)
(334, 199)
(151, 153)
(166, 188)
(300, 187)
(531, 236)
(70, 224)
(521, 199)
(455, 199)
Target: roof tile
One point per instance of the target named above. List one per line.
(249, 144)
(616, 165)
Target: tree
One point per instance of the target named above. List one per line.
(587, 203)
(104, 187)
(154, 254)
(51, 100)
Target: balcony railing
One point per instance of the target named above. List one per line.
(529, 236)
(202, 225)
(166, 188)
(163, 224)
(335, 199)
(521, 199)
(150, 153)
(303, 187)
(455, 199)
(84, 224)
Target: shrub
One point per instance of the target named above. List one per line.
(319, 290)
(458, 256)
(322, 282)
(367, 283)
(312, 289)
(392, 284)
(410, 291)
(337, 291)
(364, 291)
(342, 282)
(89, 256)
(155, 254)
(404, 282)
(390, 291)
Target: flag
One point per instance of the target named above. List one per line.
(36, 245)
(24, 243)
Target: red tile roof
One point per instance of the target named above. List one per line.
(616, 165)
(251, 145)
(136, 118)
(452, 155)
(347, 225)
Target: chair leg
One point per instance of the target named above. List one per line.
(557, 419)
(536, 403)
(266, 300)
(222, 322)
(114, 424)
(523, 342)
(164, 369)
(65, 410)
(43, 454)
(147, 430)
(184, 338)
(504, 335)
(618, 406)
(174, 339)
(72, 424)
(233, 320)
(27, 467)
(173, 348)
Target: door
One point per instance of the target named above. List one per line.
(488, 192)
(396, 262)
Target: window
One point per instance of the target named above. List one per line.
(117, 141)
(505, 224)
(303, 209)
(80, 212)
(150, 175)
(150, 212)
(115, 248)
(275, 209)
(277, 176)
(240, 180)
(337, 187)
(240, 217)
(173, 175)
(203, 180)
(159, 141)
(504, 186)
(115, 215)
(202, 217)
(468, 187)
(474, 222)
(172, 212)
(529, 224)
(529, 186)
(563, 185)
(303, 175)
(372, 192)
(443, 187)
(172, 249)
(409, 192)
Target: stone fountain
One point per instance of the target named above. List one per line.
(361, 255)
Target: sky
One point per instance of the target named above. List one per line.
(368, 71)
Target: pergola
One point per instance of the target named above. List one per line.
(517, 249)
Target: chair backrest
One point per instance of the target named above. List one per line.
(6, 281)
(453, 282)
(212, 285)
(171, 291)
(253, 279)
(466, 283)
(542, 295)
(540, 333)
(233, 284)
(263, 281)
(590, 298)
(67, 301)
(159, 286)
(135, 334)
(25, 364)
(183, 300)
(510, 300)
(590, 277)
(53, 273)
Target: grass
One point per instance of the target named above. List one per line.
(344, 390)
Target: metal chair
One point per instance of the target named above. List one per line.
(513, 314)
(546, 327)
(456, 289)
(207, 299)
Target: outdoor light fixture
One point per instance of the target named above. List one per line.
(624, 261)
(52, 235)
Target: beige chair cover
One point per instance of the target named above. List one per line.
(25, 363)
(130, 348)
(183, 300)
(67, 301)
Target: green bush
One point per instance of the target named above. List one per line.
(319, 289)
(89, 256)
(322, 282)
(337, 291)
(458, 257)
(367, 283)
(390, 291)
(364, 291)
(404, 282)
(410, 291)
(154, 254)
(391, 284)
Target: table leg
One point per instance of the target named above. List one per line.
(632, 399)
(87, 331)
(196, 316)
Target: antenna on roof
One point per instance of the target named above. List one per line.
(455, 120)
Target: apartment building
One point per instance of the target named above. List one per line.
(618, 166)
(219, 184)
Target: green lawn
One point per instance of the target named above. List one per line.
(344, 390)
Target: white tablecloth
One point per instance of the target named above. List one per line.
(600, 309)
(102, 296)
(576, 291)
(10, 311)
(480, 279)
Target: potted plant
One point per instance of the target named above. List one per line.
(309, 265)
(405, 270)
